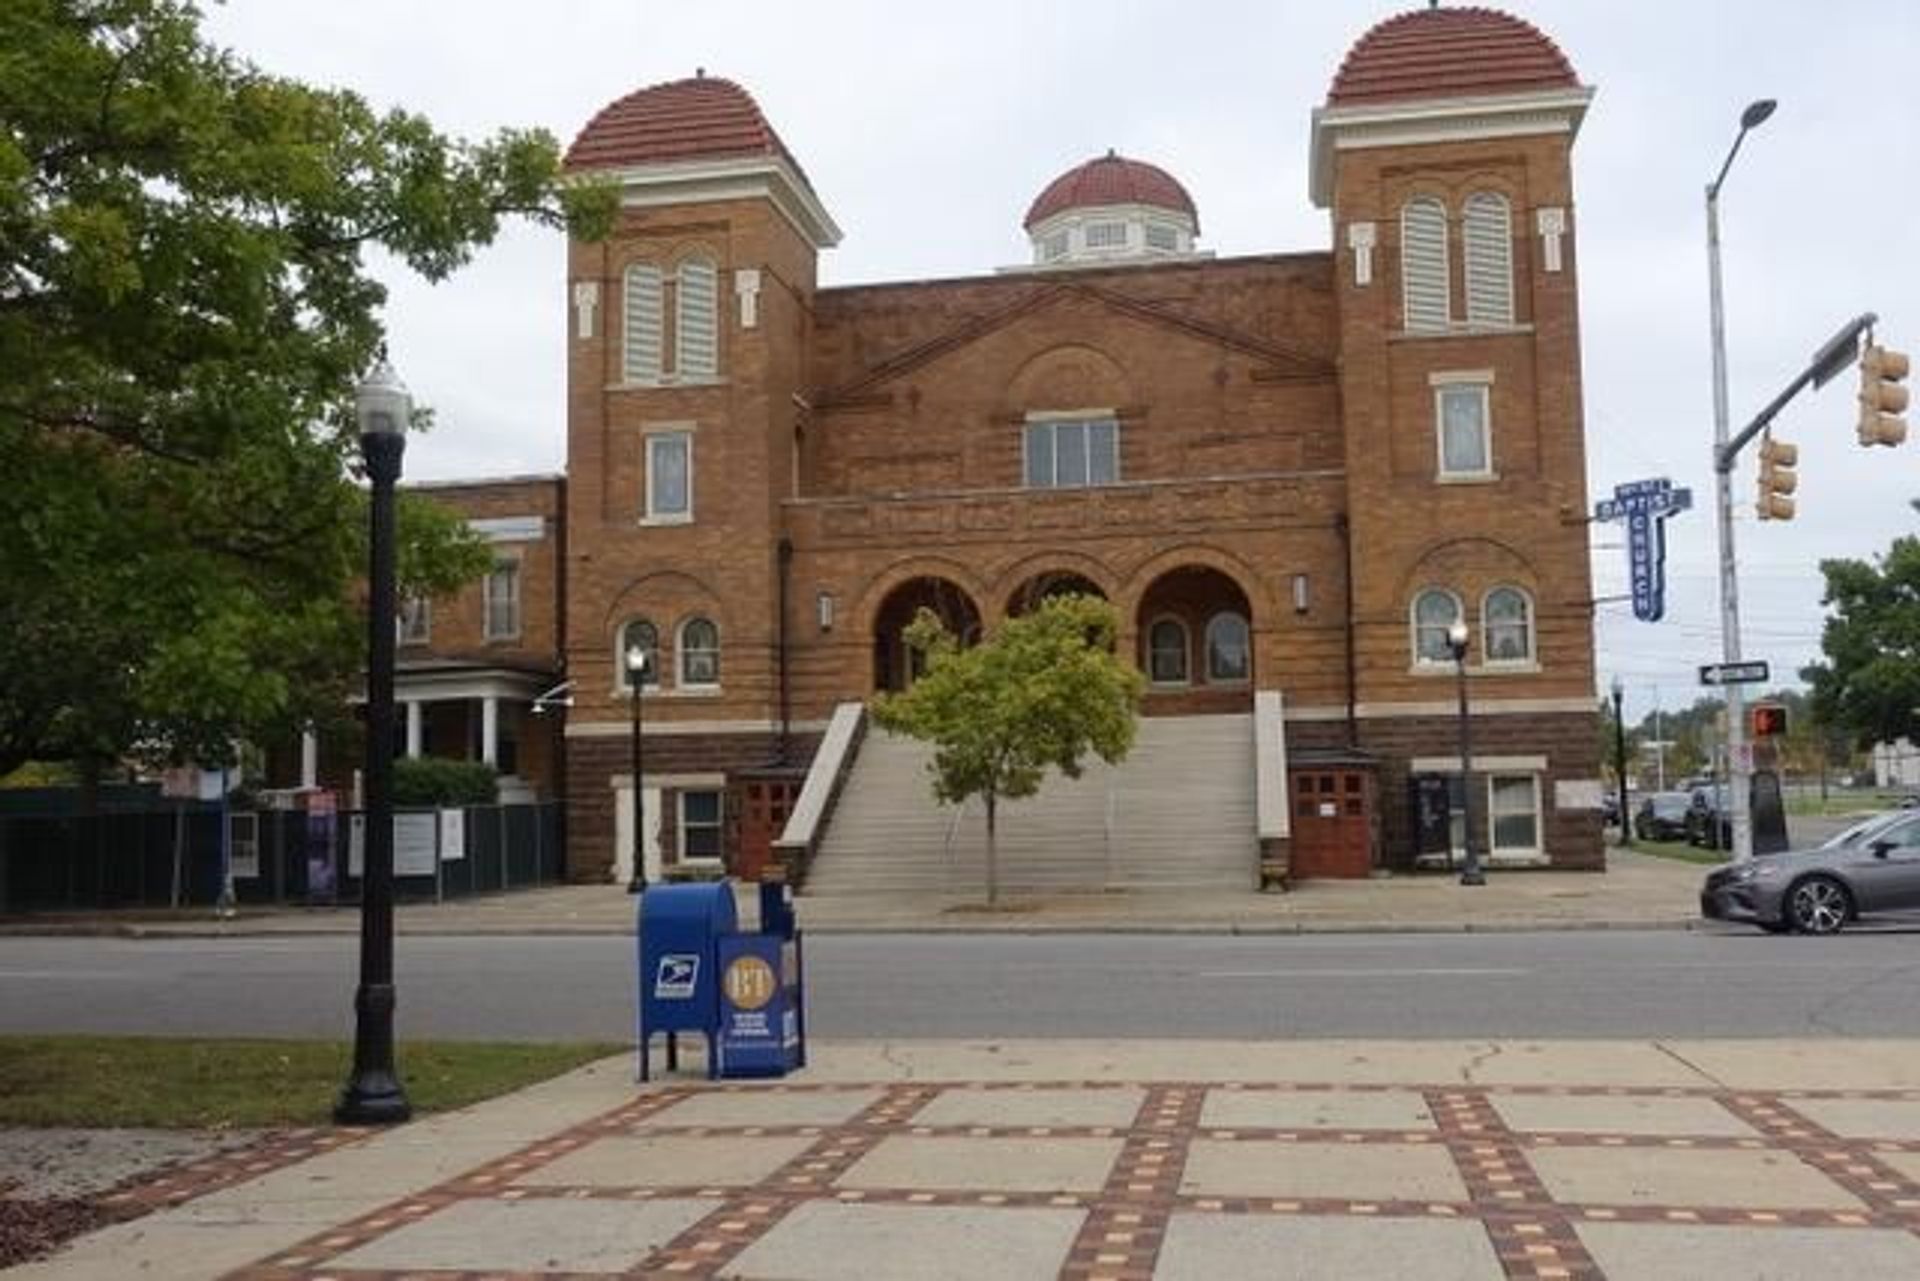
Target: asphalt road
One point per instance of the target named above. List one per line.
(1598, 984)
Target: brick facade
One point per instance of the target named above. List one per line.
(860, 449)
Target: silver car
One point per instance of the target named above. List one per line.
(1871, 867)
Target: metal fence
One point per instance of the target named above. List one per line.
(173, 857)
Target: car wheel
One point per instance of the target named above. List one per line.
(1818, 905)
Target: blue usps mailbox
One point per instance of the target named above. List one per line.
(763, 1017)
(681, 927)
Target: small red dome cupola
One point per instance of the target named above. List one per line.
(706, 126)
(1111, 207)
(1449, 53)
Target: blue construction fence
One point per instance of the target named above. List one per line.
(171, 856)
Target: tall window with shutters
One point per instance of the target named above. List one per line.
(643, 293)
(1486, 226)
(1423, 265)
(696, 319)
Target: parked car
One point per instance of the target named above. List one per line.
(1706, 818)
(1663, 816)
(1610, 809)
(1876, 868)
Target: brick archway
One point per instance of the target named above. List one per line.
(894, 665)
(1194, 625)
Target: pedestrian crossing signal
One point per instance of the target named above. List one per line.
(1769, 720)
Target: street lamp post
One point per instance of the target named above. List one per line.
(1457, 642)
(636, 678)
(1739, 766)
(1620, 763)
(373, 1094)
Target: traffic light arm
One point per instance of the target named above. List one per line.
(1839, 352)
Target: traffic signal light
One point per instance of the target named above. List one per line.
(1882, 398)
(1769, 720)
(1777, 479)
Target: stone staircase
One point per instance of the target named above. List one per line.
(1177, 812)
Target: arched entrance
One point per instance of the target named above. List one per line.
(1057, 582)
(1196, 641)
(894, 663)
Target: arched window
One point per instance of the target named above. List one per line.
(697, 319)
(643, 292)
(699, 653)
(1486, 229)
(1423, 264)
(1229, 658)
(1506, 625)
(1167, 652)
(1434, 611)
(643, 635)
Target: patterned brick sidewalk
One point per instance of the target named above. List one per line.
(1090, 1180)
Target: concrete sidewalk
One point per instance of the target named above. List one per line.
(932, 1161)
(1636, 892)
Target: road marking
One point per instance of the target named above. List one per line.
(1354, 974)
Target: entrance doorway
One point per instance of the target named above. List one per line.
(1332, 823)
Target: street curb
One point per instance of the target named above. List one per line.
(1245, 929)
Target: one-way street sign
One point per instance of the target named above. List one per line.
(1753, 673)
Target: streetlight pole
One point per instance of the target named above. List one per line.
(1739, 766)
(1620, 764)
(636, 678)
(1457, 642)
(373, 1094)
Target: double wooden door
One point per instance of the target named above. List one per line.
(1332, 823)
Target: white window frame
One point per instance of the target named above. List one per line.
(1420, 660)
(1494, 848)
(1166, 232)
(681, 825)
(643, 295)
(1084, 421)
(1054, 246)
(1487, 259)
(1475, 382)
(1206, 648)
(1532, 656)
(680, 676)
(652, 513)
(415, 624)
(691, 364)
(622, 682)
(1417, 320)
(1107, 229)
(488, 605)
(1186, 654)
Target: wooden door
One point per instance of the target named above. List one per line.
(1332, 823)
(765, 804)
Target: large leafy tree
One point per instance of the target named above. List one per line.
(184, 309)
(1869, 684)
(1044, 691)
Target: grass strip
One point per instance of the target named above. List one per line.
(176, 1083)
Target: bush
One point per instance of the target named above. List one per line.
(434, 780)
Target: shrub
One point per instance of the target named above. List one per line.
(434, 780)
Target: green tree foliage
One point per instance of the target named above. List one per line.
(1869, 685)
(1043, 691)
(184, 310)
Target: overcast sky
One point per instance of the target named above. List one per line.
(927, 130)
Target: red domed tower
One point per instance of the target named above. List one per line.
(1443, 151)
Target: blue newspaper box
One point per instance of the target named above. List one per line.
(762, 1032)
(680, 928)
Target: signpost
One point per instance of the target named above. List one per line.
(1753, 672)
(1645, 505)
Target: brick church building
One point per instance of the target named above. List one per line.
(1290, 474)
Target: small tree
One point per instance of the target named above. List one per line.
(1043, 691)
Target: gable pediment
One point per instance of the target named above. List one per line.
(1272, 362)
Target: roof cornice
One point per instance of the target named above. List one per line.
(766, 176)
(1424, 120)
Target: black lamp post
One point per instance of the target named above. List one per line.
(1620, 764)
(1457, 643)
(636, 678)
(373, 1095)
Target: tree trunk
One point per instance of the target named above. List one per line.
(993, 856)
